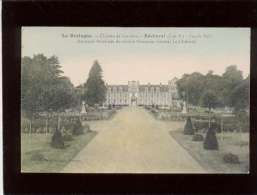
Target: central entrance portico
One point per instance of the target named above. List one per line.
(143, 95)
(133, 99)
(133, 90)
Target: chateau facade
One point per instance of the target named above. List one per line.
(136, 94)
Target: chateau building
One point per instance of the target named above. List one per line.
(136, 94)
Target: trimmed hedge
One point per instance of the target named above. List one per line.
(198, 137)
(38, 125)
(204, 124)
(67, 137)
(200, 121)
(229, 124)
(96, 115)
(231, 158)
(44, 125)
(37, 156)
(76, 127)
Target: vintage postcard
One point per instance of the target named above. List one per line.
(135, 100)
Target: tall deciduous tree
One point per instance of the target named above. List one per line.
(190, 87)
(240, 95)
(95, 87)
(42, 86)
(213, 84)
(209, 100)
(232, 77)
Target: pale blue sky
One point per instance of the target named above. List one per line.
(154, 63)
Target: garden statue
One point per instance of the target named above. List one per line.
(83, 109)
(184, 110)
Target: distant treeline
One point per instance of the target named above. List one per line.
(229, 89)
(43, 88)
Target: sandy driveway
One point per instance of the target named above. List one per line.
(133, 142)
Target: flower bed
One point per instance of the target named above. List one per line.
(98, 115)
(166, 114)
(42, 124)
(38, 125)
(47, 123)
(201, 120)
(227, 124)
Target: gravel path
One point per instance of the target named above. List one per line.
(133, 142)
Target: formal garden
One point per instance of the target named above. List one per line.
(217, 148)
(216, 117)
(53, 127)
(56, 116)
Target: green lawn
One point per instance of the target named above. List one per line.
(212, 161)
(55, 159)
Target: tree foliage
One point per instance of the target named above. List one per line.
(209, 99)
(42, 86)
(210, 90)
(240, 95)
(190, 87)
(95, 89)
(232, 77)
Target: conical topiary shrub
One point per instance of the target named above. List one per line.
(57, 139)
(188, 129)
(77, 128)
(211, 142)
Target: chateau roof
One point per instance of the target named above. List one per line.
(141, 87)
(161, 87)
(124, 87)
